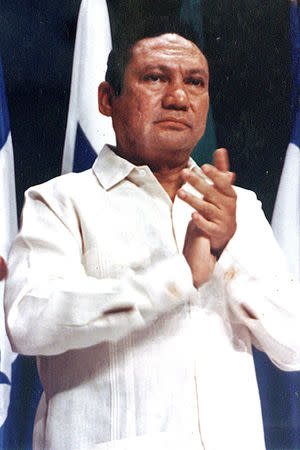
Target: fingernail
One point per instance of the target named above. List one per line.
(186, 173)
(181, 194)
(205, 168)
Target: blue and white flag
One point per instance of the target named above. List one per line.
(286, 227)
(88, 130)
(20, 387)
(286, 215)
(8, 227)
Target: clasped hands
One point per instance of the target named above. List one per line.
(214, 221)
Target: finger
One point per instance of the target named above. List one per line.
(206, 227)
(201, 185)
(233, 177)
(3, 269)
(222, 180)
(221, 160)
(211, 192)
(208, 210)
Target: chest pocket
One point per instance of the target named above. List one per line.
(111, 256)
(129, 235)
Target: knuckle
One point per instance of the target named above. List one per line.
(234, 226)
(230, 203)
(214, 228)
(234, 195)
(195, 179)
(206, 209)
(210, 190)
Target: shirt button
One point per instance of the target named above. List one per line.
(173, 290)
(230, 274)
(142, 172)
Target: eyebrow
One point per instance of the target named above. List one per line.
(162, 67)
(198, 72)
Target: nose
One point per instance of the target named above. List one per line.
(176, 97)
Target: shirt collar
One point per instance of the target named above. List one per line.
(110, 168)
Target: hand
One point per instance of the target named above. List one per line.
(198, 254)
(3, 269)
(215, 213)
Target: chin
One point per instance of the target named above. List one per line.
(178, 140)
(171, 156)
(178, 146)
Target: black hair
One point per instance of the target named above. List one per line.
(120, 55)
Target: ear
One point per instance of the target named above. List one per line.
(105, 96)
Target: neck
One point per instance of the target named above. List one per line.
(166, 170)
(170, 179)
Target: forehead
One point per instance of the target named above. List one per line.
(168, 48)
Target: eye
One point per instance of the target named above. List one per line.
(195, 81)
(154, 77)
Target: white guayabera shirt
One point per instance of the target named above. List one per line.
(130, 354)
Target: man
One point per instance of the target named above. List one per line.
(142, 283)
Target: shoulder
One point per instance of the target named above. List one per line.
(66, 197)
(253, 233)
(245, 195)
(250, 217)
(69, 184)
(66, 190)
(247, 203)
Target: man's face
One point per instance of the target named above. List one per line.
(161, 113)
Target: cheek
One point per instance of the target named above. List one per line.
(133, 122)
(143, 114)
(145, 104)
(202, 110)
(204, 103)
(128, 115)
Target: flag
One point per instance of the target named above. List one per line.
(286, 218)
(202, 153)
(8, 226)
(20, 388)
(286, 215)
(280, 391)
(88, 130)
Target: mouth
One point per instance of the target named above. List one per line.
(172, 122)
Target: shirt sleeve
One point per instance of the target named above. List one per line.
(261, 293)
(52, 305)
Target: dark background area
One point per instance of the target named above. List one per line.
(247, 46)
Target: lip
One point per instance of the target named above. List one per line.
(174, 122)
